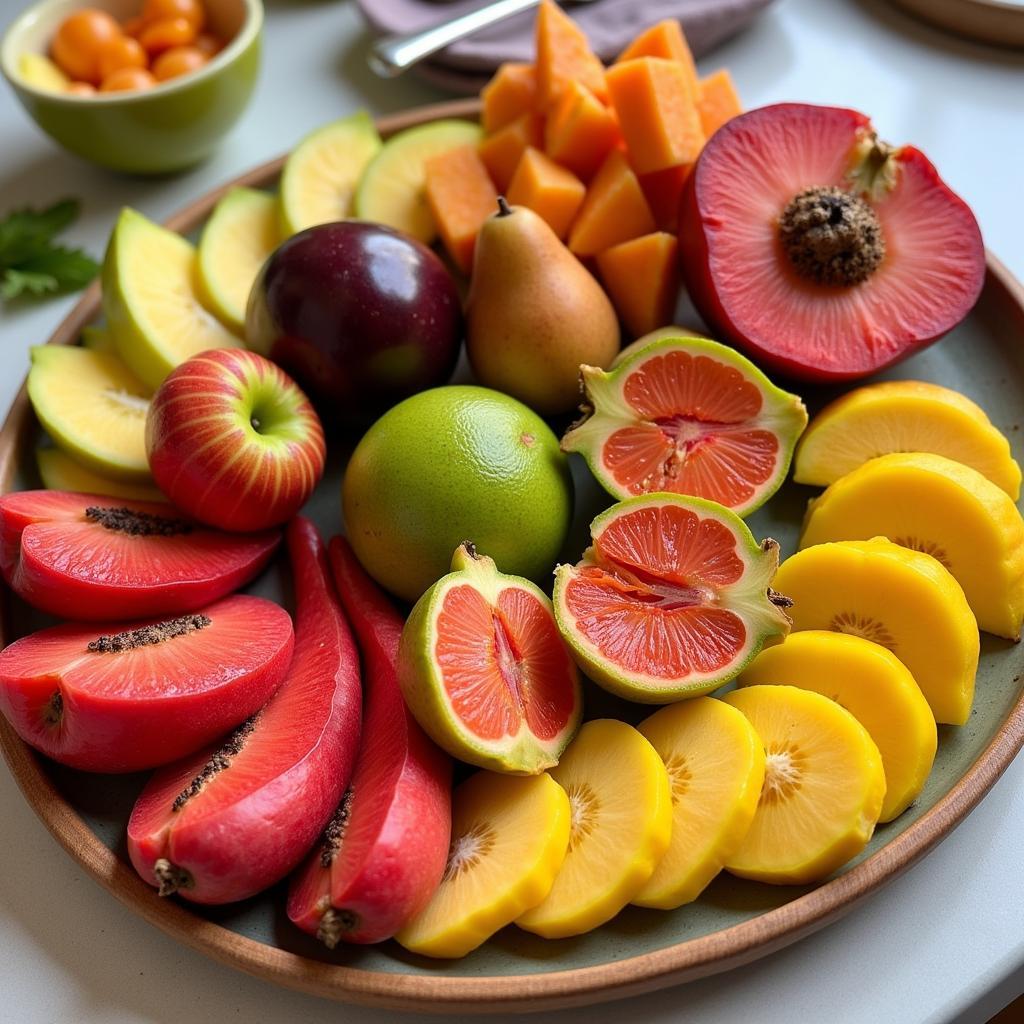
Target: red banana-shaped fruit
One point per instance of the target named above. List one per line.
(383, 854)
(228, 822)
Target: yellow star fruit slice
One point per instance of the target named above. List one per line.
(902, 599)
(509, 838)
(875, 687)
(621, 814)
(903, 416)
(948, 510)
(715, 765)
(823, 787)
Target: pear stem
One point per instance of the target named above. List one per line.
(504, 210)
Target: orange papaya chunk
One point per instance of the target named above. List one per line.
(666, 40)
(563, 56)
(548, 189)
(580, 131)
(641, 277)
(657, 110)
(613, 211)
(461, 197)
(511, 93)
(501, 151)
(717, 101)
(663, 191)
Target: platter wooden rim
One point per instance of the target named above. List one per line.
(671, 965)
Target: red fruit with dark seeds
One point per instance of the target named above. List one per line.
(232, 820)
(144, 693)
(822, 251)
(384, 852)
(93, 558)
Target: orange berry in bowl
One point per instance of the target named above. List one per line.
(80, 41)
(80, 89)
(134, 26)
(208, 44)
(123, 52)
(161, 10)
(166, 34)
(178, 61)
(127, 79)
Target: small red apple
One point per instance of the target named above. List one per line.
(233, 441)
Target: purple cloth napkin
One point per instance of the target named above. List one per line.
(609, 24)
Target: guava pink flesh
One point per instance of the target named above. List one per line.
(250, 823)
(394, 846)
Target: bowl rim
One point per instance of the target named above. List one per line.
(10, 52)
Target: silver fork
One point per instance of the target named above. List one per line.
(393, 55)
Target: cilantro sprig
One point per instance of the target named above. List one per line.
(31, 263)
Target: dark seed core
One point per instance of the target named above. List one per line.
(54, 709)
(832, 237)
(217, 763)
(145, 636)
(137, 524)
(335, 831)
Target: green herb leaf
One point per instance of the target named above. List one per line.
(30, 263)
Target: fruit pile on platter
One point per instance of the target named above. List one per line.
(188, 431)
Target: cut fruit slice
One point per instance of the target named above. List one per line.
(946, 509)
(509, 94)
(392, 190)
(502, 151)
(820, 250)
(642, 278)
(621, 814)
(86, 557)
(613, 211)
(563, 56)
(461, 197)
(688, 416)
(672, 599)
(664, 39)
(226, 823)
(903, 416)
(40, 72)
(147, 692)
(715, 765)
(93, 407)
(151, 302)
(548, 189)
(384, 852)
(672, 331)
(484, 671)
(663, 191)
(904, 600)
(580, 131)
(320, 176)
(823, 787)
(243, 230)
(60, 472)
(509, 838)
(717, 101)
(875, 687)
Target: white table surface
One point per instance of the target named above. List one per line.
(943, 943)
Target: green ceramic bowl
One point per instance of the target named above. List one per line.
(166, 128)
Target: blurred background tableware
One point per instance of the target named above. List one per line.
(989, 21)
(162, 126)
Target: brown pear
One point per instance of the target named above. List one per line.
(534, 314)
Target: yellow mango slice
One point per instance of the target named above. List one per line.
(903, 416)
(509, 838)
(823, 786)
(946, 509)
(902, 599)
(715, 764)
(621, 814)
(875, 687)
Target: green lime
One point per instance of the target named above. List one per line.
(454, 464)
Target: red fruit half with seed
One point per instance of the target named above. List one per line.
(145, 693)
(384, 851)
(235, 818)
(687, 416)
(819, 249)
(96, 559)
(484, 670)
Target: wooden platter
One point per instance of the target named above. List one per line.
(733, 923)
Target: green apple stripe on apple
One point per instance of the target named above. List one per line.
(151, 302)
(233, 442)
